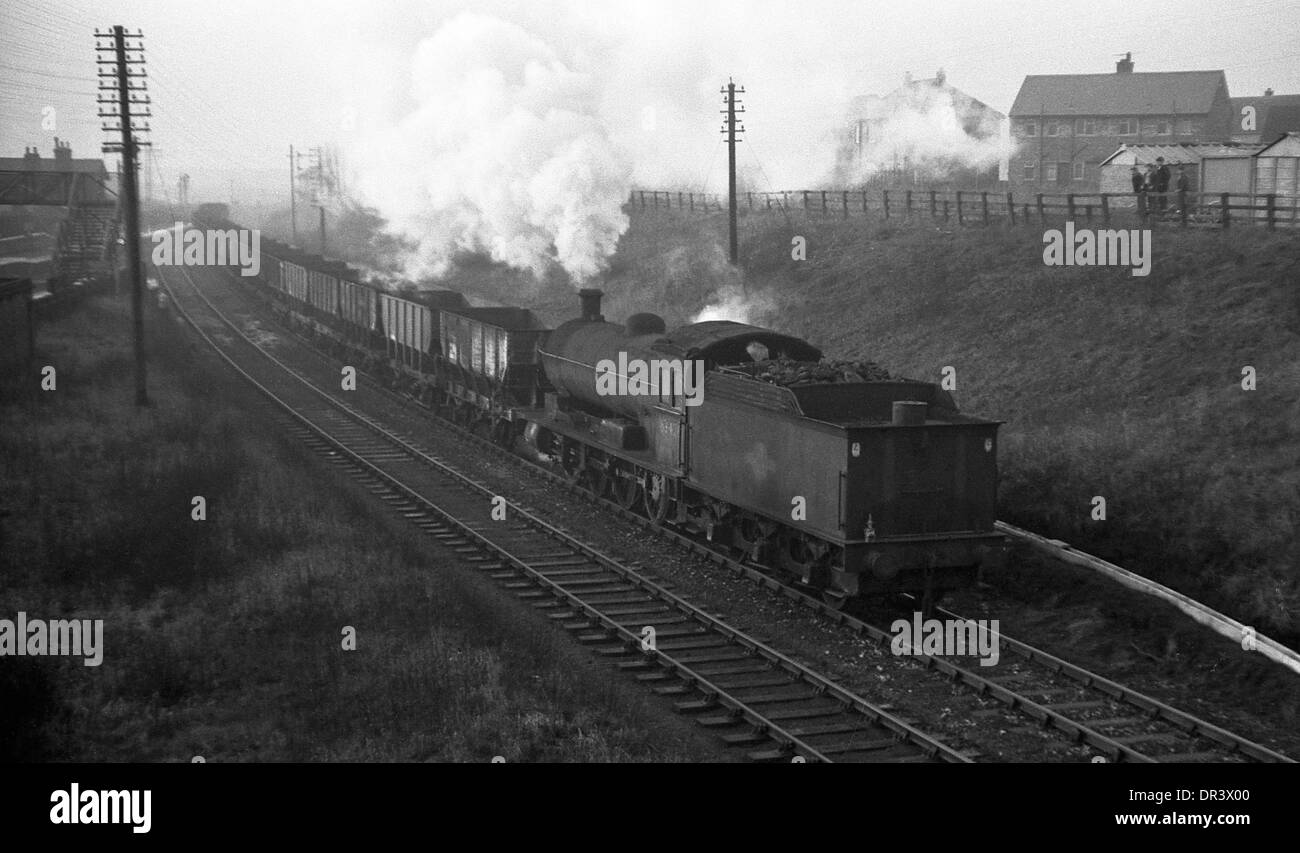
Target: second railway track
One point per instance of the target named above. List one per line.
(759, 699)
(1118, 722)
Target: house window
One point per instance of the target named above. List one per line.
(1029, 128)
(1185, 127)
(1049, 172)
(1078, 171)
(1030, 169)
(1087, 127)
(1124, 127)
(1051, 128)
(1163, 128)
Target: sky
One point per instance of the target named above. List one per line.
(632, 87)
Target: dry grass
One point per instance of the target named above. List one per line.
(223, 637)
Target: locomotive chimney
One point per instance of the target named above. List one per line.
(590, 297)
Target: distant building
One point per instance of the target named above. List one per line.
(924, 132)
(96, 190)
(1066, 124)
(1266, 118)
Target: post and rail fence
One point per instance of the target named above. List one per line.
(981, 207)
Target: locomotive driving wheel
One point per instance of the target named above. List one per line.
(625, 487)
(656, 497)
(569, 462)
(503, 433)
(596, 478)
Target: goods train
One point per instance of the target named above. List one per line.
(852, 483)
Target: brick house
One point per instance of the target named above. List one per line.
(1266, 118)
(924, 133)
(1065, 125)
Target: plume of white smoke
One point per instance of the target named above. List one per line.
(504, 153)
(929, 131)
(731, 302)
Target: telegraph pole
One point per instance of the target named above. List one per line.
(130, 87)
(318, 155)
(293, 191)
(730, 129)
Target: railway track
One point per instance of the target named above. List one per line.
(1119, 723)
(758, 698)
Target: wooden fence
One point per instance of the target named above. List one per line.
(980, 207)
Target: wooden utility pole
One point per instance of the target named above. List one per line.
(130, 88)
(318, 155)
(730, 129)
(293, 191)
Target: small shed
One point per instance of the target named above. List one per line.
(1115, 168)
(1254, 169)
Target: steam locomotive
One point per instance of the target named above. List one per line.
(854, 488)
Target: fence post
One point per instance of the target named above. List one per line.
(864, 202)
(805, 199)
(907, 199)
(1042, 217)
(1011, 209)
(824, 208)
(932, 204)
(846, 204)
(1227, 214)
(692, 200)
(642, 193)
(885, 195)
(959, 219)
(984, 203)
(1069, 206)
(945, 210)
(1105, 208)
(1182, 207)
(1270, 201)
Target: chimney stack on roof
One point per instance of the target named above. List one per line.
(1125, 65)
(1268, 93)
(31, 155)
(62, 150)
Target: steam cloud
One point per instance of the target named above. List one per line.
(504, 153)
(927, 130)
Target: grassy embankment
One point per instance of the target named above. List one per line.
(1112, 385)
(223, 637)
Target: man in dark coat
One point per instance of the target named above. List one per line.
(1161, 182)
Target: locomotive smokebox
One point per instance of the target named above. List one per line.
(909, 412)
(590, 297)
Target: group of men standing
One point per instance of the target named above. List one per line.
(1155, 182)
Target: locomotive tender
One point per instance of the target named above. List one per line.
(855, 488)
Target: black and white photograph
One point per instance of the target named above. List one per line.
(397, 383)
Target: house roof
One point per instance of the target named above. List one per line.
(1275, 115)
(49, 164)
(1132, 93)
(1189, 153)
(1286, 146)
